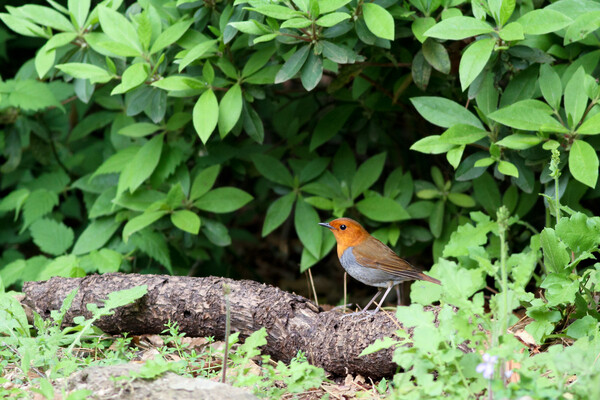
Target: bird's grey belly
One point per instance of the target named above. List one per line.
(366, 275)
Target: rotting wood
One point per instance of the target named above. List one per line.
(197, 304)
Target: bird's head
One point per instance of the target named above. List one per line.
(347, 232)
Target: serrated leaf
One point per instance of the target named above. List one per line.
(154, 245)
(51, 236)
(39, 203)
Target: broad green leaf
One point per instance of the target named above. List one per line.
(332, 19)
(474, 60)
(306, 221)
(444, 112)
(519, 141)
(329, 125)
(230, 109)
(23, 27)
(575, 98)
(454, 155)
(117, 162)
(257, 61)
(80, 10)
(272, 169)
(206, 115)
(140, 222)
(196, 52)
(133, 77)
(379, 21)
(186, 221)
(508, 168)
(420, 71)
(580, 232)
(538, 22)
(529, 115)
(583, 163)
(590, 126)
(86, 71)
(139, 129)
(253, 124)
(583, 327)
(463, 134)
(327, 6)
(278, 212)
(116, 26)
(312, 71)
(141, 166)
(223, 200)
(252, 27)
(556, 256)
(46, 16)
(39, 203)
(433, 144)
(436, 219)
(512, 32)
(420, 26)
(276, 11)
(486, 193)
(154, 245)
(436, 55)
(458, 28)
(367, 174)
(51, 236)
(382, 209)
(292, 65)
(204, 181)
(550, 85)
(583, 25)
(170, 35)
(462, 200)
(91, 123)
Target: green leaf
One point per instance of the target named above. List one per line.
(312, 71)
(458, 28)
(508, 168)
(117, 162)
(133, 77)
(95, 235)
(139, 129)
(141, 166)
(206, 115)
(455, 155)
(46, 16)
(580, 232)
(332, 19)
(170, 35)
(463, 134)
(436, 219)
(253, 124)
(556, 257)
(186, 221)
(51, 236)
(275, 11)
(583, 163)
(512, 32)
(204, 181)
(539, 22)
(382, 209)
(196, 52)
(252, 27)
(230, 109)
(292, 65)
(444, 112)
(116, 26)
(474, 60)
(257, 61)
(86, 71)
(223, 200)
(550, 85)
(278, 212)
(91, 123)
(590, 126)
(462, 200)
(582, 327)
(529, 115)
(329, 125)
(367, 174)
(272, 169)
(216, 232)
(486, 193)
(575, 98)
(39, 203)
(154, 245)
(583, 25)
(379, 21)
(23, 26)
(327, 6)
(420, 26)
(519, 141)
(437, 56)
(80, 10)
(433, 144)
(140, 222)
(306, 221)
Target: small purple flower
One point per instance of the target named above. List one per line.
(486, 368)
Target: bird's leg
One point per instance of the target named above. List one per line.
(390, 285)
(372, 300)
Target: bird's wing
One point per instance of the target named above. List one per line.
(374, 254)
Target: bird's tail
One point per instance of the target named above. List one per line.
(428, 278)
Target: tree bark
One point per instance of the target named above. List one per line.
(198, 305)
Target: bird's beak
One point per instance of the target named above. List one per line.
(326, 225)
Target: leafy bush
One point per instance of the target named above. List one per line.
(152, 134)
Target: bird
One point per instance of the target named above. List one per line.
(370, 261)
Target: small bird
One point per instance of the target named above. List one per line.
(370, 261)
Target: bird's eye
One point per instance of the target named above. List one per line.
(343, 227)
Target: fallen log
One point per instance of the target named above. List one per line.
(292, 322)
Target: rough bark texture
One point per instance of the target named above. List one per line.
(197, 304)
